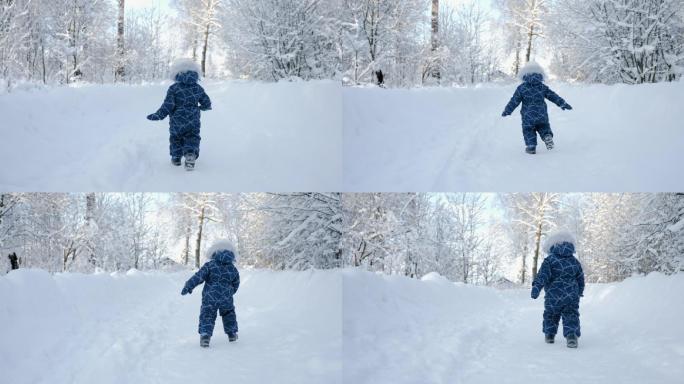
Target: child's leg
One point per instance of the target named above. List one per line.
(571, 323)
(552, 317)
(229, 320)
(544, 130)
(175, 145)
(530, 135)
(191, 142)
(207, 319)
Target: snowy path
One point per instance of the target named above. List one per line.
(617, 138)
(436, 332)
(138, 328)
(258, 137)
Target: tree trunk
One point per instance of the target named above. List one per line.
(523, 270)
(42, 50)
(530, 35)
(435, 39)
(186, 249)
(516, 63)
(204, 50)
(537, 242)
(199, 238)
(120, 71)
(89, 222)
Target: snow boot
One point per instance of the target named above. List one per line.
(176, 161)
(189, 162)
(572, 341)
(531, 150)
(548, 140)
(232, 337)
(549, 339)
(204, 341)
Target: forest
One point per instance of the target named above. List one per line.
(407, 43)
(487, 239)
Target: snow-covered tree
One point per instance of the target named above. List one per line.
(628, 41)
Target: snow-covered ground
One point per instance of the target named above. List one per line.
(617, 138)
(331, 327)
(258, 137)
(137, 328)
(398, 330)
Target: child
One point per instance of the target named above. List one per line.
(562, 277)
(184, 101)
(532, 93)
(221, 280)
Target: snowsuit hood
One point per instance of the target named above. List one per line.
(563, 249)
(187, 77)
(223, 257)
(533, 78)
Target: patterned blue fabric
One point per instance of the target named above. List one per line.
(532, 93)
(562, 278)
(183, 103)
(221, 281)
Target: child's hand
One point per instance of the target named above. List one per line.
(504, 114)
(185, 291)
(535, 292)
(153, 117)
(567, 107)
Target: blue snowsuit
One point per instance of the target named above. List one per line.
(184, 101)
(221, 280)
(562, 277)
(535, 119)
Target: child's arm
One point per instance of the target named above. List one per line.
(554, 98)
(166, 108)
(197, 279)
(236, 282)
(580, 280)
(513, 103)
(542, 278)
(205, 101)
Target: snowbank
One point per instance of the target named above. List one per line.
(617, 138)
(258, 137)
(137, 328)
(331, 327)
(400, 330)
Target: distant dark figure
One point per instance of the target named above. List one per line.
(381, 78)
(14, 261)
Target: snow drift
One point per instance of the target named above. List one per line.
(258, 137)
(400, 330)
(137, 328)
(617, 138)
(331, 327)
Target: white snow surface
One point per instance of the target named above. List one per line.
(281, 137)
(400, 330)
(137, 328)
(617, 138)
